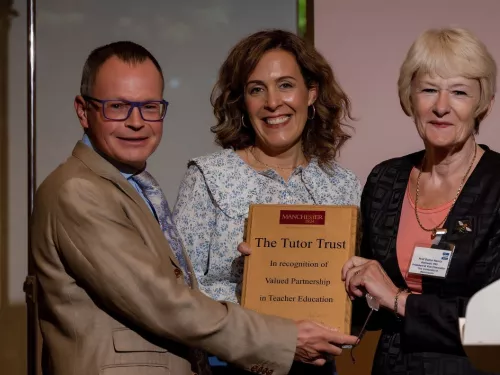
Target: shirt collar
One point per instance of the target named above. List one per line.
(86, 140)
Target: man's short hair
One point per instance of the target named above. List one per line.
(126, 51)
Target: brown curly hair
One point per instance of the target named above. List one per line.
(323, 136)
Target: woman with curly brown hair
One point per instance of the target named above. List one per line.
(281, 119)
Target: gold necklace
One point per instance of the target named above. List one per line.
(271, 166)
(417, 193)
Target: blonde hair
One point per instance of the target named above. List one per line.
(449, 52)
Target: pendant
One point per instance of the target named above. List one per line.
(438, 232)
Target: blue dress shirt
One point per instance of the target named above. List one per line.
(128, 176)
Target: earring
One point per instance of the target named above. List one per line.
(243, 121)
(314, 112)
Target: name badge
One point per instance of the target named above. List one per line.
(431, 261)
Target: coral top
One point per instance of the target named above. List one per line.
(411, 234)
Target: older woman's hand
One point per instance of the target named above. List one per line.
(367, 276)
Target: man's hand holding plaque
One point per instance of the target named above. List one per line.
(316, 343)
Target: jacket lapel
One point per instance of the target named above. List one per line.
(460, 212)
(473, 209)
(468, 198)
(400, 175)
(106, 170)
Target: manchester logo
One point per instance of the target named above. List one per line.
(302, 217)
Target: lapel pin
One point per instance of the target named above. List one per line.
(463, 226)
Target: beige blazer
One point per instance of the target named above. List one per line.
(112, 296)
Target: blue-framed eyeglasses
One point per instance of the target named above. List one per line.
(120, 110)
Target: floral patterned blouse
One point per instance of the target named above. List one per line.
(213, 202)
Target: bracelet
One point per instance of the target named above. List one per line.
(400, 290)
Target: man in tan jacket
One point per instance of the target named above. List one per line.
(115, 296)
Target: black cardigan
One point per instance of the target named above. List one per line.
(427, 340)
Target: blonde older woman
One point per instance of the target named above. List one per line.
(431, 220)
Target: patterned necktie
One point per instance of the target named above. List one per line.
(153, 193)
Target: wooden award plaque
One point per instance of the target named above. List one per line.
(298, 252)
